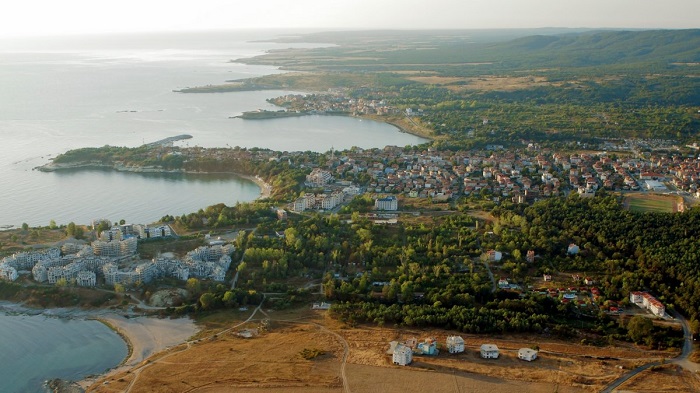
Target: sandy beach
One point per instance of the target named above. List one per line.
(145, 336)
(265, 189)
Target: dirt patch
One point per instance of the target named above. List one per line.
(225, 363)
(669, 378)
(275, 361)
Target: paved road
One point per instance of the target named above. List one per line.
(681, 360)
(494, 286)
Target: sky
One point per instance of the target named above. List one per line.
(54, 17)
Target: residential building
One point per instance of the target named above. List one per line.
(390, 203)
(527, 354)
(573, 249)
(86, 279)
(645, 300)
(428, 347)
(455, 344)
(403, 355)
(489, 351)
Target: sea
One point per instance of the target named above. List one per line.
(61, 93)
(36, 348)
(64, 93)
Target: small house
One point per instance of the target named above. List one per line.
(455, 344)
(403, 355)
(573, 249)
(428, 347)
(489, 351)
(527, 354)
(494, 256)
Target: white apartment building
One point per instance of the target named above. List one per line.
(86, 279)
(7, 272)
(645, 300)
(388, 203)
(319, 177)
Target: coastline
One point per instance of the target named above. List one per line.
(144, 336)
(265, 188)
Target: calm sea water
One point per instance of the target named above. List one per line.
(35, 348)
(118, 90)
(60, 94)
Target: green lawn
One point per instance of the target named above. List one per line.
(645, 204)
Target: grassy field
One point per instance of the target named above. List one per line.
(275, 361)
(651, 203)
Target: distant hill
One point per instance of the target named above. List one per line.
(599, 48)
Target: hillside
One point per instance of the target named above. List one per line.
(501, 50)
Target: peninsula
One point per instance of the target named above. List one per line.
(542, 238)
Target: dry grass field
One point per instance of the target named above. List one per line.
(273, 362)
(668, 378)
(485, 82)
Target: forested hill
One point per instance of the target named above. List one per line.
(469, 51)
(601, 48)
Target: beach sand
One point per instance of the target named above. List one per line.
(265, 189)
(145, 336)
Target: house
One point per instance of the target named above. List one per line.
(527, 354)
(455, 344)
(645, 300)
(573, 249)
(503, 283)
(403, 355)
(489, 351)
(547, 277)
(428, 347)
(494, 256)
(530, 256)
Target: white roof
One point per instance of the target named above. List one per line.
(489, 347)
(526, 351)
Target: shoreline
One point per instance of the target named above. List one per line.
(265, 188)
(144, 336)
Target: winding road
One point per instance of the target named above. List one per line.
(681, 360)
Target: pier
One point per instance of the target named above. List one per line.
(168, 141)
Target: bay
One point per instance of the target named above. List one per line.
(35, 348)
(67, 93)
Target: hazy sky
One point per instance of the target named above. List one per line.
(41, 17)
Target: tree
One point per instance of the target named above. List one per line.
(194, 285)
(119, 288)
(52, 224)
(639, 328)
(122, 221)
(207, 300)
(70, 229)
(25, 226)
